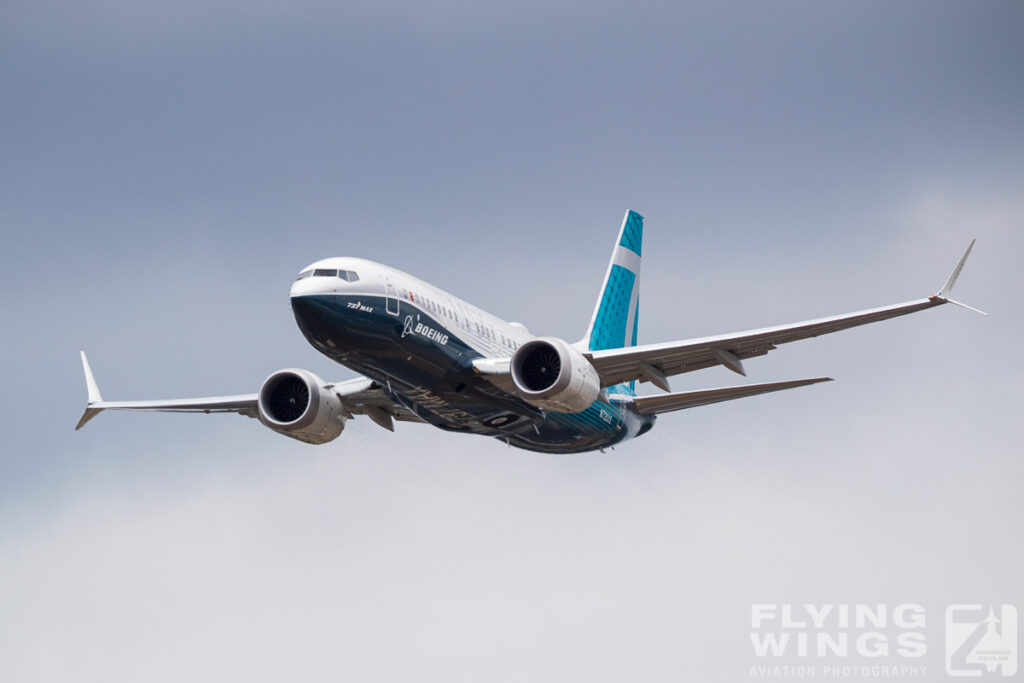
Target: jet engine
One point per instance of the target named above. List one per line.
(295, 403)
(552, 375)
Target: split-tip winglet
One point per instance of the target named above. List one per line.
(947, 288)
(94, 394)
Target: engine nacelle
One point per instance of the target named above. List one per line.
(552, 375)
(294, 403)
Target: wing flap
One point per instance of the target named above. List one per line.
(652, 405)
(363, 396)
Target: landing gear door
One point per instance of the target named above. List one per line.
(390, 296)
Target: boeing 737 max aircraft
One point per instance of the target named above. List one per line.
(428, 356)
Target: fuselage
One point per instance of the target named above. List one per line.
(419, 343)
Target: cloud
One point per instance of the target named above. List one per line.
(439, 557)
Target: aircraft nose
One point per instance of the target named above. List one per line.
(303, 306)
(307, 285)
(313, 314)
(321, 322)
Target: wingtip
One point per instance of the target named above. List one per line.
(90, 382)
(89, 414)
(963, 305)
(943, 295)
(947, 288)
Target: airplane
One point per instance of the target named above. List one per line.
(424, 355)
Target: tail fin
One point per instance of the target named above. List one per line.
(614, 323)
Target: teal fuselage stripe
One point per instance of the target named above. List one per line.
(591, 417)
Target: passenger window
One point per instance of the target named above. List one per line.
(325, 272)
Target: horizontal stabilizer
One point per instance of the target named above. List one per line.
(652, 405)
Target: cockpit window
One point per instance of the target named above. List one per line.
(348, 275)
(305, 274)
(325, 272)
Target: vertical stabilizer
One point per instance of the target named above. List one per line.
(615, 320)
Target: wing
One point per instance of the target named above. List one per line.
(655, 362)
(360, 396)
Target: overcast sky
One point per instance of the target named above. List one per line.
(165, 171)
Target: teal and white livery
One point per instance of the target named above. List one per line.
(615, 321)
(424, 355)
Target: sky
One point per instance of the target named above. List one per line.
(167, 169)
